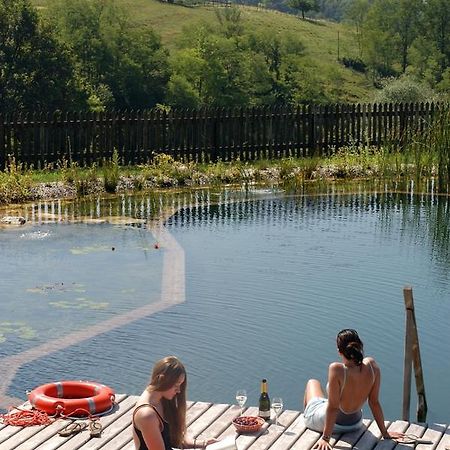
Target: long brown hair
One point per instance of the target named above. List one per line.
(166, 372)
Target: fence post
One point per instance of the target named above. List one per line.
(2, 143)
(412, 356)
(312, 130)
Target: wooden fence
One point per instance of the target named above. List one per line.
(206, 134)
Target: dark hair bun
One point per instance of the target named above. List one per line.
(354, 352)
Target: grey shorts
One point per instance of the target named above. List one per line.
(315, 413)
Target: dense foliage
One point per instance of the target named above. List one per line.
(398, 37)
(91, 55)
(227, 65)
(36, 70)
(116, 64)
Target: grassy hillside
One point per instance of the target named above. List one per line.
(320, 38)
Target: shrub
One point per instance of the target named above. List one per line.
(355, 64)
(404, 89)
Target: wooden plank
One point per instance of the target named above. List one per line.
(9, 431)
(205, 420)
(387, 444)
(30, 439)
(195, 411)
(109, 433)
(348, 440)
(75, 442)
(370, 437)
(291, 434)
(120, 440)
(216, 428)
(307, 440)
(434, 433)
(129, 446)
(444, 443)
(265, 440)
(214, 420)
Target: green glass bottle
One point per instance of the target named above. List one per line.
(264, 401)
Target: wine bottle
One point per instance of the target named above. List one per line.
(264, 401)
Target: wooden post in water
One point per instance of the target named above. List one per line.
(412, 356)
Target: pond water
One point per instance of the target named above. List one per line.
(268, 280)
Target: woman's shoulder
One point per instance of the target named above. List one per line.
(144, 408)
(336, 367)
(369, 360)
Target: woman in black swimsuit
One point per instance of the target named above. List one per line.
(159, 418)
(351, 383)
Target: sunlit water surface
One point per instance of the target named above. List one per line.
(269, 282)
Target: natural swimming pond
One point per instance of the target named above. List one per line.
(258, 286)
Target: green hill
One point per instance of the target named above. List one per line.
(322, 40)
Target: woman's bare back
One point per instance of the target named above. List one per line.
(357, 382)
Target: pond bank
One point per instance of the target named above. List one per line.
(68, 181)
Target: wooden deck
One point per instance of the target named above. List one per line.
(214, 420)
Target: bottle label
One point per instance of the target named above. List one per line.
(264, 414)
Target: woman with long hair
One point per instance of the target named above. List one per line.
(159, 417)
(351, 383)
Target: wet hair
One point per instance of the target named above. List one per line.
(166, 373)
(350, 345)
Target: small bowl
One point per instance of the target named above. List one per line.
(248, 424)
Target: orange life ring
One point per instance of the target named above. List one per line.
(68, 397)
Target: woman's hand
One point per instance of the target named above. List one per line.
(322, 444)
(394, 435)
(202, 443)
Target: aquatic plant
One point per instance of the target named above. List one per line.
(15, 183)
(111, 173)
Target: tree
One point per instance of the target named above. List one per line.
(35, 70)
(303, 5)
(117, 64)
(437, 28)
(379, 42)
(407, 21)
(356, 13)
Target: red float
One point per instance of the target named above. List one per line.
(66, 398)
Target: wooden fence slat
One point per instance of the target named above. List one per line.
(207, 134)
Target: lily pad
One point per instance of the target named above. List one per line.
(56, 287)
(89, 249)
(128, 291)
(79, 303)
(21, 329)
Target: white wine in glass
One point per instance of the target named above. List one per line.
(241, 398)
(277, 406)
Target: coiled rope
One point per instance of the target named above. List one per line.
(28, 417)
(25, 417)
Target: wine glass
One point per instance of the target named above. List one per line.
(277, 406)
(241, 398)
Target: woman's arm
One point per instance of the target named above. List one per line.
(375, 405)
(147, 421)
(198, 442)
(334, 384)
